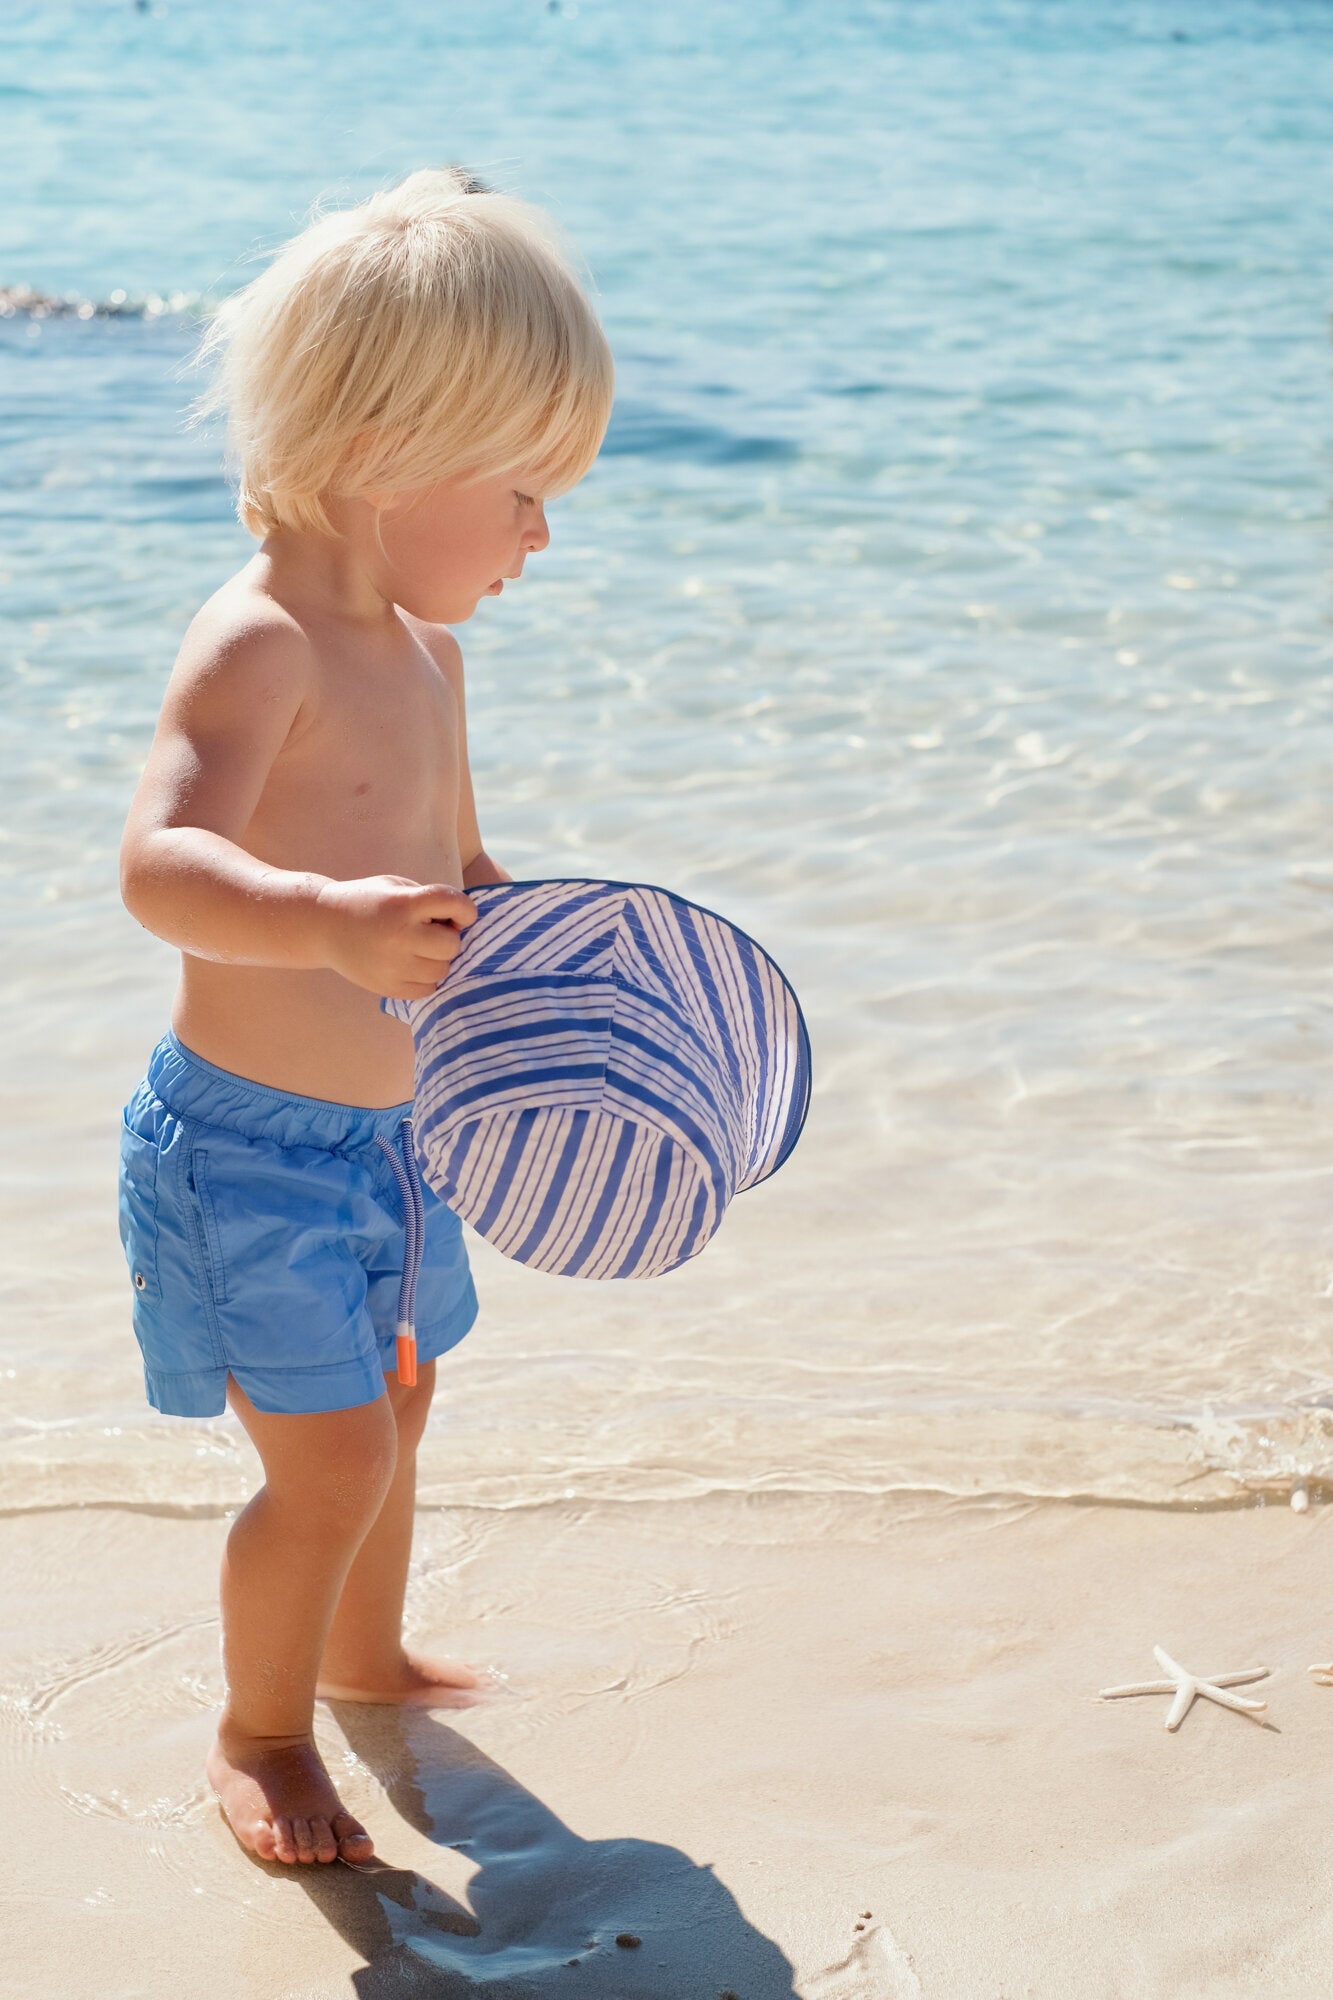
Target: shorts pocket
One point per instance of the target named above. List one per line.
(138, 1212)
(208, 1223)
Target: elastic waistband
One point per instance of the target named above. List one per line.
(193, 1088)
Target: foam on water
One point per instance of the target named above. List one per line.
(949, 607)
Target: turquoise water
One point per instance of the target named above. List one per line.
(949, 605)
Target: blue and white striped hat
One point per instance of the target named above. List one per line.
(603, 1068)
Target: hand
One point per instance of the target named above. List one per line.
(392, 936)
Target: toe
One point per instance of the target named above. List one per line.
(301, 1835)
(263, 1840)
(284, 1846)
(322, 1840)
(354, 1843)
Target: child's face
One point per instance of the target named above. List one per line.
(451, 544)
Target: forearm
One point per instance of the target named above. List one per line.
(211, 898)
(481, 870)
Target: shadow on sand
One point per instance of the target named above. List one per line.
(546, 1905)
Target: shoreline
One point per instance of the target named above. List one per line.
(488, 1452)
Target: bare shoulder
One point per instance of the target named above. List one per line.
(442, 646)
(240, 692)
(242, 645)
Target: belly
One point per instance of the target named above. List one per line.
(312, 1033)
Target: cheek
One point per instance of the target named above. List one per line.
(417, 543)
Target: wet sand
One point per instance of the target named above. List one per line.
(837, 1748)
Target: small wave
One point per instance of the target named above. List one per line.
(639, 430)
(42, 1697)
(26, 302)
(1195, 1460)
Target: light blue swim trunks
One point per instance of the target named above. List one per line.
(265, 1240)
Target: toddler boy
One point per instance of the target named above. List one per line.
(405, 386)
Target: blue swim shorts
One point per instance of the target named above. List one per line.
(264, 1234)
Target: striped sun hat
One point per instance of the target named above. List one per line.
(604, 1067)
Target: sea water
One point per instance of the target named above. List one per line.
(949, 606)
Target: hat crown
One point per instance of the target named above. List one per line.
(604, 1067)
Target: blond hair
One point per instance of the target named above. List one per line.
(436, 331)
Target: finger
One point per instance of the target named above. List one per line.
(435, 970)
(419, 980)
(435, 947)
(436, 903)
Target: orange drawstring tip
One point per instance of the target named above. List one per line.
(407, 1360)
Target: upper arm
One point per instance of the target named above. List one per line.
(234, 696)
(447, 654)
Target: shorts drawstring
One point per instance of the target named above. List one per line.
(403, 1160)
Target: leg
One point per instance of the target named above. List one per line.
(364, 1658)
(287, 1557)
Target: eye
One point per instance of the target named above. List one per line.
(525, 499)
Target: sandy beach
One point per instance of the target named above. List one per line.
(838, 1749)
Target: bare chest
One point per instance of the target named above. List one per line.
(369, 783)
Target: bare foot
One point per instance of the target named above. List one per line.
(426, 1683)
(279, 1800)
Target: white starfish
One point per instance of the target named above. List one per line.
(1186, 1686)
(1323, 1674)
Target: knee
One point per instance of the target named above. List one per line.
(335, 1486)
(356, 1481)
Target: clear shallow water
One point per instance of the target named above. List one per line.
(949, 606)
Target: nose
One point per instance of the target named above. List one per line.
(538, 536)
